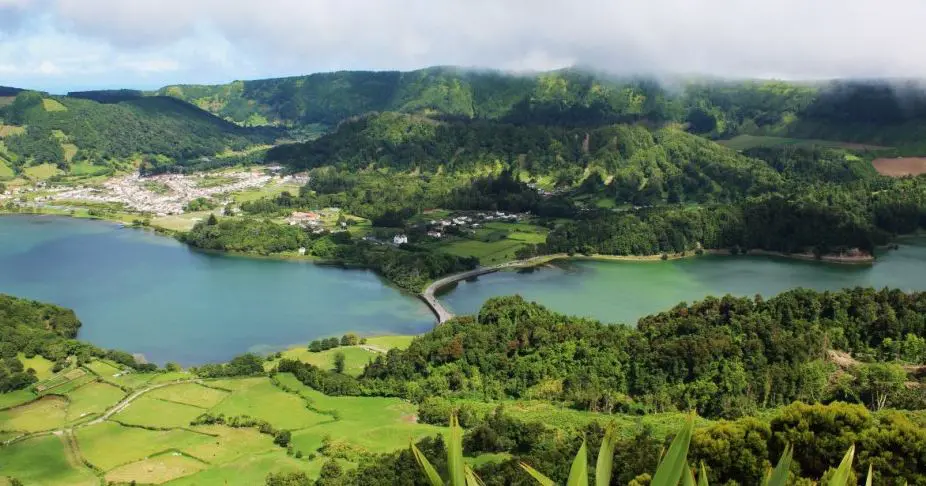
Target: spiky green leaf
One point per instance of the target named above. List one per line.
(702, 476)
(605, 463)
(455, 464)
(871, 471)
(670, 469)
(472, 479)
(688, 478)
(429, 470)
(578, 473)
(779, 475)
(841, 477)
(538, 476)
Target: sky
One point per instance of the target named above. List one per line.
(61, 45)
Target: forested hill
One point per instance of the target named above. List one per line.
(39, 129)
(875, 112)
(723, 357)
(561, 97)
(666, 163)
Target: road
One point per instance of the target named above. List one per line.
(125, 402)
(444, 315)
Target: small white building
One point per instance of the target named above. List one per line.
(435, 234)
(399, 240)
(302, 250)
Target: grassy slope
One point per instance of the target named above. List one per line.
(44, 461)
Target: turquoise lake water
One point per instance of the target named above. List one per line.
(144, 293)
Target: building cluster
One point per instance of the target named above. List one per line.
(136, 193)
(313, 220)
(438, 228)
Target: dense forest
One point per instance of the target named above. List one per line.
(116, 131)
(874, 112)
(33, 328)
(723, 357)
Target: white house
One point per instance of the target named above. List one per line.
(399, 240)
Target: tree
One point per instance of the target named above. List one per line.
(212, 221)
(171, 366)
(339, 359)
(283, 438)
(879, 382)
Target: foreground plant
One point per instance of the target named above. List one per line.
(673, 468)
(460, 473)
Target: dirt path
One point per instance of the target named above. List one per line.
(64, 432)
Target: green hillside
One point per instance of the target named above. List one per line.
(327, 98)
(876, 113)
(39, 129)
(640, 164)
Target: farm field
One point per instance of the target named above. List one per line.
(109, 445)
(746, 142)
(495, 242)
(156, 470)
(92, 399)
(44, 414)
(59, 467)
(262, 400)
(900, 166)
(152, 412)
(190, 394)
(6, 172)
(41, 172)
(355, 358)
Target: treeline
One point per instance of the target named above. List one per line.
(37, 329)
(409, 267)
(821, 218)
(736, 452)
(725, 357)
(118, 129)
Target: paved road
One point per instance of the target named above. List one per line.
(444, 315)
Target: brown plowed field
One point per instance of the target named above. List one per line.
(901, 166)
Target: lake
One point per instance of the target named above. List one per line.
(143, 293)
(625, 291)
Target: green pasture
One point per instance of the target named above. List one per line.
(264, 401)
(109, 445)
(367, 423)
(41, 171)
(191, 394)
(155, 470)
(390, 342)
(152, 412)
(58, 466)
(92, 399)
(251, 469)
(44, 414)
(15, 398)
(41, 365)
(355, 358)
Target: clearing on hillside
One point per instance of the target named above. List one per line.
(9, 130)
(53, 105)
(901, 166)
(746, 142)
(156, 470)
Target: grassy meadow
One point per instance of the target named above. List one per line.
(493, 243)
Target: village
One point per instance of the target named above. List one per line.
(159, 195)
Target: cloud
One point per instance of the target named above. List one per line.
(213, 40)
